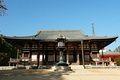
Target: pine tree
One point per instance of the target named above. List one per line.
(6, 51)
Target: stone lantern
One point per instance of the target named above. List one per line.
(61, 65)
(61, 47)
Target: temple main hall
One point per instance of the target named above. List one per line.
(41, 48)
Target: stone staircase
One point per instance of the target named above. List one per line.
(76, 67)
(7, 67)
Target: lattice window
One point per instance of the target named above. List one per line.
(26, 46)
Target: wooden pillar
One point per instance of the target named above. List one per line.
(54, 58)
(17, 53)
(74, 55)
(22, 53)
(82, 53)
(67, 55)
(46, 56)
(97, 49)
(38, 56)
(102, 58)
(30, 60)
(30, 51)
(43, 53)
(90, 52)
(54, 54)
(17, 57)
(78, 56)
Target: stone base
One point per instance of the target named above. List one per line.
(61, 66)
(61, 63)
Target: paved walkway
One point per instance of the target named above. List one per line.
(77, 74)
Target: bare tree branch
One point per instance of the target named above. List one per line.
(2, 8)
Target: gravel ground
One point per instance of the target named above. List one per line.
(76, 74)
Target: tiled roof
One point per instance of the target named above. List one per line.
(52, 35)
(110, 53)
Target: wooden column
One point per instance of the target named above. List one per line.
(30, 60)
(46, 56)
(22, 53)
(82, 53)
(90, 52)
(17, 53)
(43, 53)
(102, 58)
(55, 54)
(67, 56)
(30, 51)
(38, 56)
(54, 59)
(97, 49)
(78, 56)
(17, 57)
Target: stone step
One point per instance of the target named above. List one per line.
(7, 67)
(76, 66)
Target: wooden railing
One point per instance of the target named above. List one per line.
(14, 60)
(17, 61)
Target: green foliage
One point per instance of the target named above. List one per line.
(3, 59)
(6, 51)
(118, 61)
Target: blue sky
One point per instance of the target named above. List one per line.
(26, 17)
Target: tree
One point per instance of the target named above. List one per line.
(2, 8)
(118, 61)
(6, 51)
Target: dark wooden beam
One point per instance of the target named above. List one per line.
(82, 49)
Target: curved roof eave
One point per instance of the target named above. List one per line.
(70, 35)
(102, 37)
(78, 39)
(110, 53)
(19, 37)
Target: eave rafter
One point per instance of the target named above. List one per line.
(73, 39)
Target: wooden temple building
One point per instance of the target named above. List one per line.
(41, 48)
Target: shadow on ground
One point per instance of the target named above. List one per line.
(33, 74)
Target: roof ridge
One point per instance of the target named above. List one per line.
(59, 30)
(37, 33)
(82, 32)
